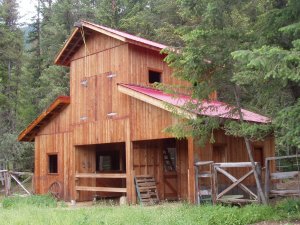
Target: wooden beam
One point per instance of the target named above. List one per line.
(191, 171)
(282, 157)
(71, 51)
(101, 175)
(100, 189)
(129, 165)
(237, 164)
(100, 30)
(61, 52)
(284, 192)
(284, 175)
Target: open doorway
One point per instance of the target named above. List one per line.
(100, 171)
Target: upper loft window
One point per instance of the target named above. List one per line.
(52, 162)
(154, 76)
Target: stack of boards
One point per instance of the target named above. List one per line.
(146, 189)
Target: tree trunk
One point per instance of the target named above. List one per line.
(249, 151)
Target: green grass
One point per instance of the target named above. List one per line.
(43, 210)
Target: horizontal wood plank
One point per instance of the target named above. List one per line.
(100, 189)
(101, 175)
(285, 192)
(234, 164)
(284, 175)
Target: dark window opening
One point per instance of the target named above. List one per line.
(52, 163)
(108, 161)
(154, 77)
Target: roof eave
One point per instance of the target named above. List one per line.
(85, 24)
(25, 134)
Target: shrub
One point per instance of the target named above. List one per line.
(290, 206)
(42, 201)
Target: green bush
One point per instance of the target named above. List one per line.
(42, 201)
(289, 206)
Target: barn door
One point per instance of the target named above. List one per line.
(170, 173)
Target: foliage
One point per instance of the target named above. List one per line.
(41, 201)
(42, 210)
(249, 53)
(289, 207)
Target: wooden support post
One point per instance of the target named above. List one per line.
(129, 180)
(258, 169)
(7, 183)
(191, 171)
(215, 184)
(129, 166)
(197, 184)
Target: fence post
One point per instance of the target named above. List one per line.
(215, 184)
(267, 180)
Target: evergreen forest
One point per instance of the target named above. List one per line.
(249, 50)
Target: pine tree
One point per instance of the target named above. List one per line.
(216, 29)
(11, 48)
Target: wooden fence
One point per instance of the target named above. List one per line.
(9, 176)
(272, 180)
(224, 196)
(211, 187)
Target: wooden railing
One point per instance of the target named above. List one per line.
(100, 176)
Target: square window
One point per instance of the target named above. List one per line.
(154, 76)
(52, 162)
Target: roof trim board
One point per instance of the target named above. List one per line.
(56, 106)
(207, 108)
(119, 35)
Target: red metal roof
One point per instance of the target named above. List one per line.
(129, 37)
(56, 106)
(75, 40)
(206, 108)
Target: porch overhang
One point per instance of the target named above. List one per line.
(178, 104)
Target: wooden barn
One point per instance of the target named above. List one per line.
(110, 129)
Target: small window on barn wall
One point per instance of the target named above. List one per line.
(107, 161)
(52, 163)
(154, 76)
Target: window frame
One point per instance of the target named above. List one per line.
(48, 163)
(155, 71)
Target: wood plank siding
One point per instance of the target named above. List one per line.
(100, 119)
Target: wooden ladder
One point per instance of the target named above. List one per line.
(169, 166)
(146, 189)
